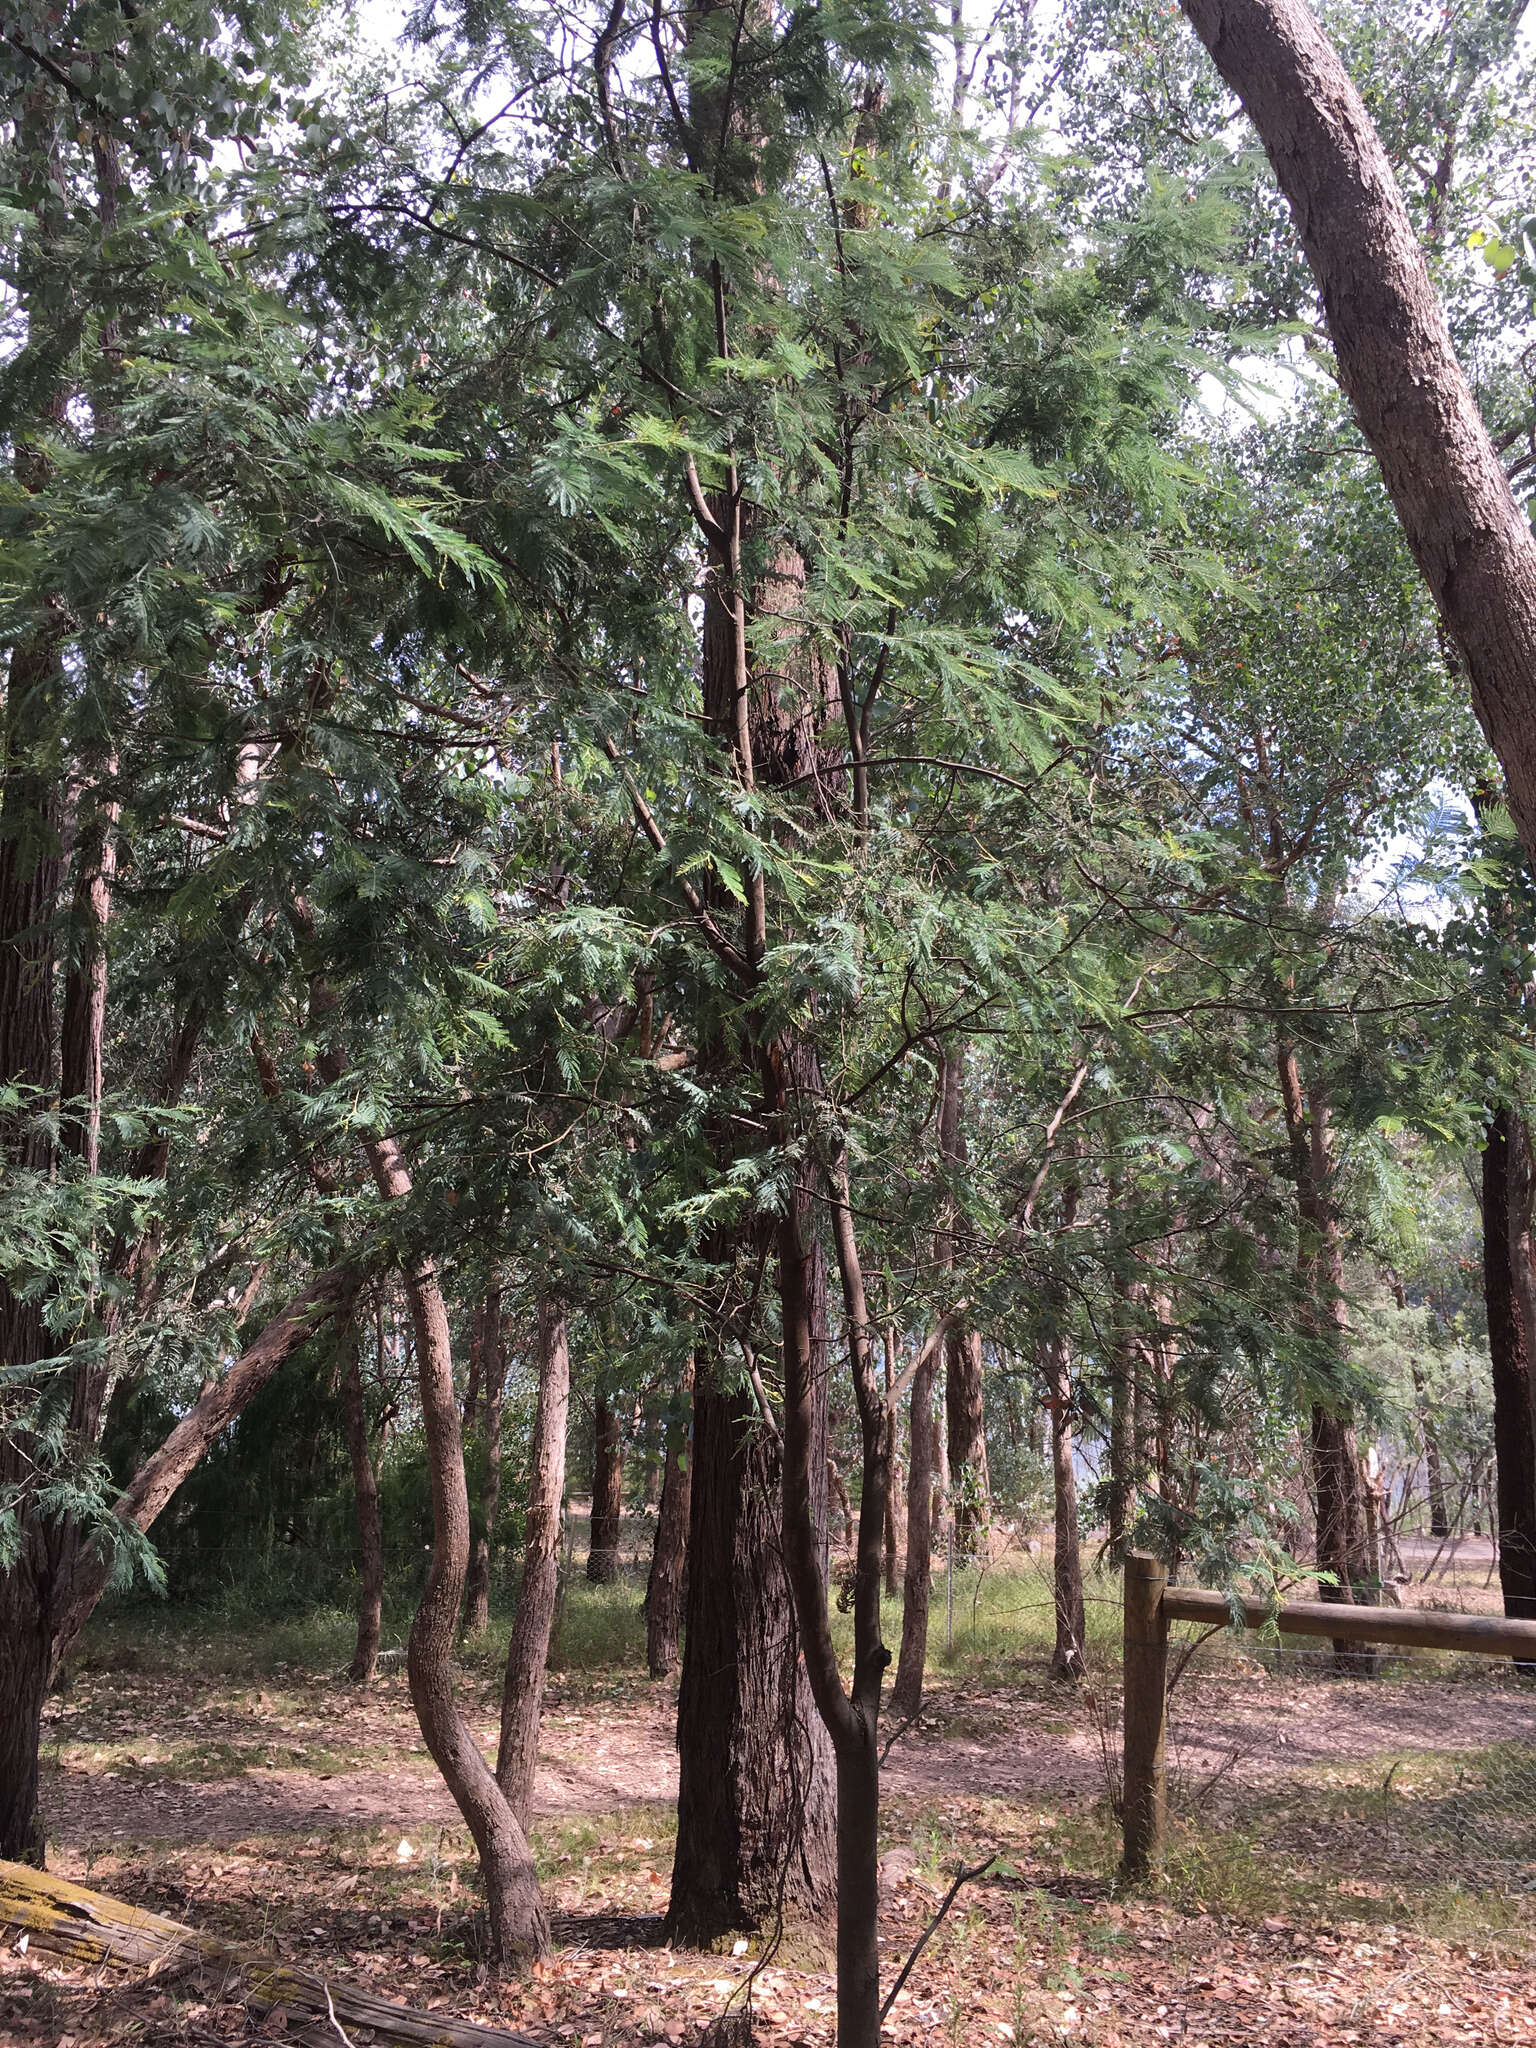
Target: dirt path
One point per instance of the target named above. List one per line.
(357, 1761)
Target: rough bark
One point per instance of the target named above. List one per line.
(365, 1494)
(31, 873)
(522, 1692)
(664, 1588)
(493, 1379)
(1514, 1435)
(755, 1794)
(1473, 544)
(607, 1492)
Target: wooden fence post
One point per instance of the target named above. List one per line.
(1146, 1664)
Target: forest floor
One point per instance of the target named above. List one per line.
(1353, 1860)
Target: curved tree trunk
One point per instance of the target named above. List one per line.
(1472, 542)
(522, 1692)
(607, 1492)
(664, 1589)
(365, 1492)
(517, 1925)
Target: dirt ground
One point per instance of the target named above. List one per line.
(303, 1814)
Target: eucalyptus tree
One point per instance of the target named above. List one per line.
(1468, 533)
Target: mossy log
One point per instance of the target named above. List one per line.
(89, 1927)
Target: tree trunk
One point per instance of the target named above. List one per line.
(1514, 1438)
(48, 1594)
(964, 1411)
(1128, 1366)
(1067, 1656)
(365, 1492)
(755, 1801)
(893, 1532)
(907, 1692)
(965, 1424)
(522, 1692)
(852, 1718)
(518, 1926)
(493, 1378)
(1472, 542)
(664, 1589)
(26, 1668)
(607, 1492)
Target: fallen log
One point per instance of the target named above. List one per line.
(89, 1927)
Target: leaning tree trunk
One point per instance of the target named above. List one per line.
(607, 1492)
(1472, 542)
(664, 1589)
(522, 1692)
(1067, 1656)
(907, 1692)
(493, 1376)
(1514, 1425)
(365, 1493)
(517, 1925)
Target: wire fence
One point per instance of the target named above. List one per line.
(1399, 1773)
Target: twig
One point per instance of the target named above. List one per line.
(962, 1876)
(330, 2010)
(896, 1735)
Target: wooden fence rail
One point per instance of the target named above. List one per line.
(1151, 1603)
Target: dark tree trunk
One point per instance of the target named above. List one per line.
(907, 1692)
(755, 1803)
(493, 1377)
(607, 1492)
(26, 1668)
(664, 1589)
(522, 1693)
(1514, 1427)
(1067, 1655)
(1471, 540)
(365, 1493)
